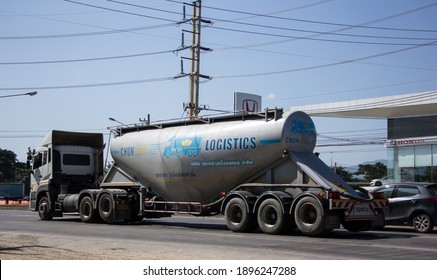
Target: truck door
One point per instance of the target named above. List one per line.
(41, 165)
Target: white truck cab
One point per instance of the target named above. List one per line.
(65, 163)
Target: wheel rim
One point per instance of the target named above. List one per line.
(105, 205)
(308, 214)
(43, 207)
(270, 216)
(421, 223)
(86, 210)
(236, 214)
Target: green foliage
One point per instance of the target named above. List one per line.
(344, 174)
(10, 169)
(372, 171)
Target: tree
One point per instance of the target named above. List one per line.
(372, 171)
(11, 170)
(343, 173)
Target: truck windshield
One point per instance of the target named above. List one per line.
(74, 159)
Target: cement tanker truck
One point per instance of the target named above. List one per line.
(259, 170)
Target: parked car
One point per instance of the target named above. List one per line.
(413, 204)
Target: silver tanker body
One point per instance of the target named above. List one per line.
(198, 162)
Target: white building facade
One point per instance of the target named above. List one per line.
(411, 130)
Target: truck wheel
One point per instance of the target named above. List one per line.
(422, 223)
(271, 220)
(238, 218)
(87, 212)
(44, 209)
(105, 207)
(356, 226)
(309, 216)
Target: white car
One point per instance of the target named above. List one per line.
(379, 182)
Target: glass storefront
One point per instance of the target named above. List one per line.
(412, 163)
(412, 149)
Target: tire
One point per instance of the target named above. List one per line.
(87, 212)
(270, 218)
(237, 216)
(378, 184)
(106, 207)
(422, 223)
(356, 226)
(44, 209)
(309, 216)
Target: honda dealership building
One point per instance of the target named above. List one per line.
(411, 130)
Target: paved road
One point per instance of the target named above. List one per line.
(186, 237)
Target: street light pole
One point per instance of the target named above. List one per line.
(114, 120)
(32, 93)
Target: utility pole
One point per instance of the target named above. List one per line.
(193, 106)
(194, 75)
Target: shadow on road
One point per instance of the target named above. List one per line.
(190, 223)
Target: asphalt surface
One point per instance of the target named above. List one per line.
(24, 236)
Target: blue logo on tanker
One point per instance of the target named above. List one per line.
(302, 127)
(191, 146)
(127, 151)
(302, 132)
(187, 146)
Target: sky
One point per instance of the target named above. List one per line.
(94, 60)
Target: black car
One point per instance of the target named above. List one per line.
(413, 204)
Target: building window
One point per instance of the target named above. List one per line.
(423, 164)
(406, 163)
(412, 163)
(434, 164)
(411, 127)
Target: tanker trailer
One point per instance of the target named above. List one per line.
(259, 170)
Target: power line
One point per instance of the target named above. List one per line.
(120, 11)
(325, 65)
(315, 39)
(92, 85)
(334, 33)
(233, 76)
(146, 7)
(362, 89)
(338, 24)
(293, 8)
(85, 59)
(72, 35)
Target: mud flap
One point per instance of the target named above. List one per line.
(333, 222)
